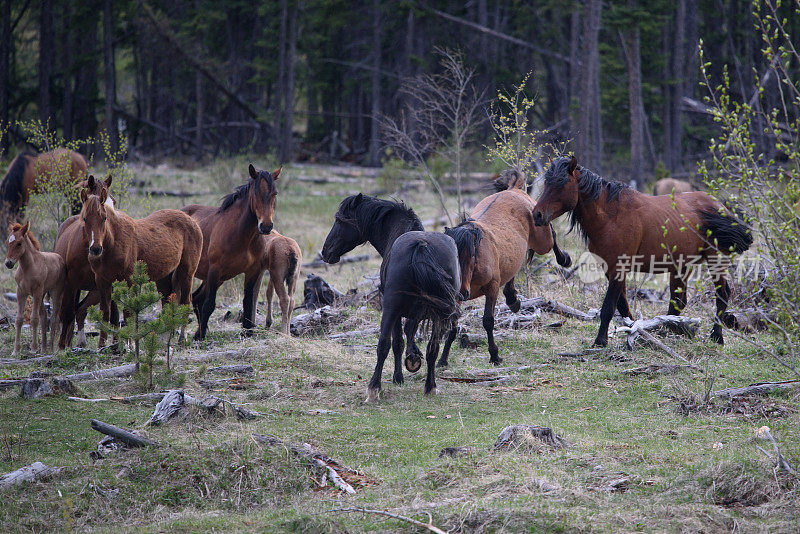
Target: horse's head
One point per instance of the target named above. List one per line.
(18, 243)
(93, 186)
(263, 197)
(560, 193)
(94, 216)
(345, 235)
(468, 240)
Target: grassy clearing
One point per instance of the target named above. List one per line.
(691, 471)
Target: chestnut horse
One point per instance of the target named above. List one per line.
(634, 232)
(282, 259)
(27, 169)
(72, 246)
(39, 273)
(169, 242)
(233, 243)
(493, 244)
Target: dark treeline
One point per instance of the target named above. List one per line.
(310, 79)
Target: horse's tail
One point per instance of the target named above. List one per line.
(435, 285)
(292, 270)
(725, 231)
(510, 179)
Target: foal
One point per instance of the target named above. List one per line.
(39, 273)
(282, 259)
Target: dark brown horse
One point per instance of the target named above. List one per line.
(28, 169)
(233, 243)
(72, 246)
(634, 232)
(493, 245)
(169, 242)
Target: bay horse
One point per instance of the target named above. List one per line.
(233, 243)
(39, 273)
(169, 242)
(494, 242)
(634, 232)
(420, 277)
(282, 259)
(27, 169)
(361, 219)
(72, 246)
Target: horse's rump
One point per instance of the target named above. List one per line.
(163, 240)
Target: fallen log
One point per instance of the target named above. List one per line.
(45, 360)
(316, 322)
(528, 436)
(318, 262)
(333, 470)
(29, 473)
(762, 388)
(355, 333)
(169, 406)
(128, 438)
(81, 399)
(237, 369)
(121, 371)
(33, 388)
(658, 369)
(531, 305)
(10, 383)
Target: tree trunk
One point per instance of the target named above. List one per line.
(86, 76)
(279, 89)
(675, 137)
(574, 66)
(110, 74)
(374, 138)
(5, 55)
(46, 54)
(635, 100)
(198, 134)
(66, 69)
(288, 97)
(589, 123)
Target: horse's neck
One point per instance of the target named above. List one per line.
(592, 216)
(247, 221)
(382, 238)
(29, 257)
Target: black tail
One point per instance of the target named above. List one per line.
(290, 272)
(436, 286)
(725, 232)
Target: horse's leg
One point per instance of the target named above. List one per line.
(270, 292)
(91, 298)
(397, 349)
(252, 284)
(510, 292)
(677, 294)
(209, 303)
(622, 303)
(198, 297)
(55, 322)
(181, 282)
(36, 313)
(291, 288)
(723, 294)
(607, 311)
(562, 258)
(388, 321)
(21, 298)
(413, 354)
(431, 353)
(68, 300)
(488, 323)
(451, 336)
(283, 300)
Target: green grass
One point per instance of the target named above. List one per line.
(212, 476)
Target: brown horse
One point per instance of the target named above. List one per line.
(233, 243)
(28, 169)
(72, 246)
(634, 232)
(169, 242)
(668, 186)
(39, 273)
(282, 259)
(492, 245)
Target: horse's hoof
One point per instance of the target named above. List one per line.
(716, 337)
(413, 363)
(373, 394)
(198, 336)
(80, 339)
(398, 379)
(247, 332)
(433, 391)
(442, 363)
(600, 342)
(567, 260)
(515, 306)
(267, 324)
(496, 361)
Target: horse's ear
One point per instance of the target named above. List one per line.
(103, 196)
(252, 171)
(573, 164)
(359, 198)
(277, 173)
(84, 195)
(90, 181)
(109, 179)
(24, 229)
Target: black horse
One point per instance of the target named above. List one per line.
(420, 277)
(362, 219)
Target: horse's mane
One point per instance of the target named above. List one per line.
(11, 188)
(590, 185)
(243, 190)
(467, 236)
(34, 241)
(371, 211)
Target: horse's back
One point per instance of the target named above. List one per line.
(667, 186)
(421, 261)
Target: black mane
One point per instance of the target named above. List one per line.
(367, 212)
(11, 188)
(243, 190)
(590, 186)
(467, 236)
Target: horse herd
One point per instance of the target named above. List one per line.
(423, 275)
